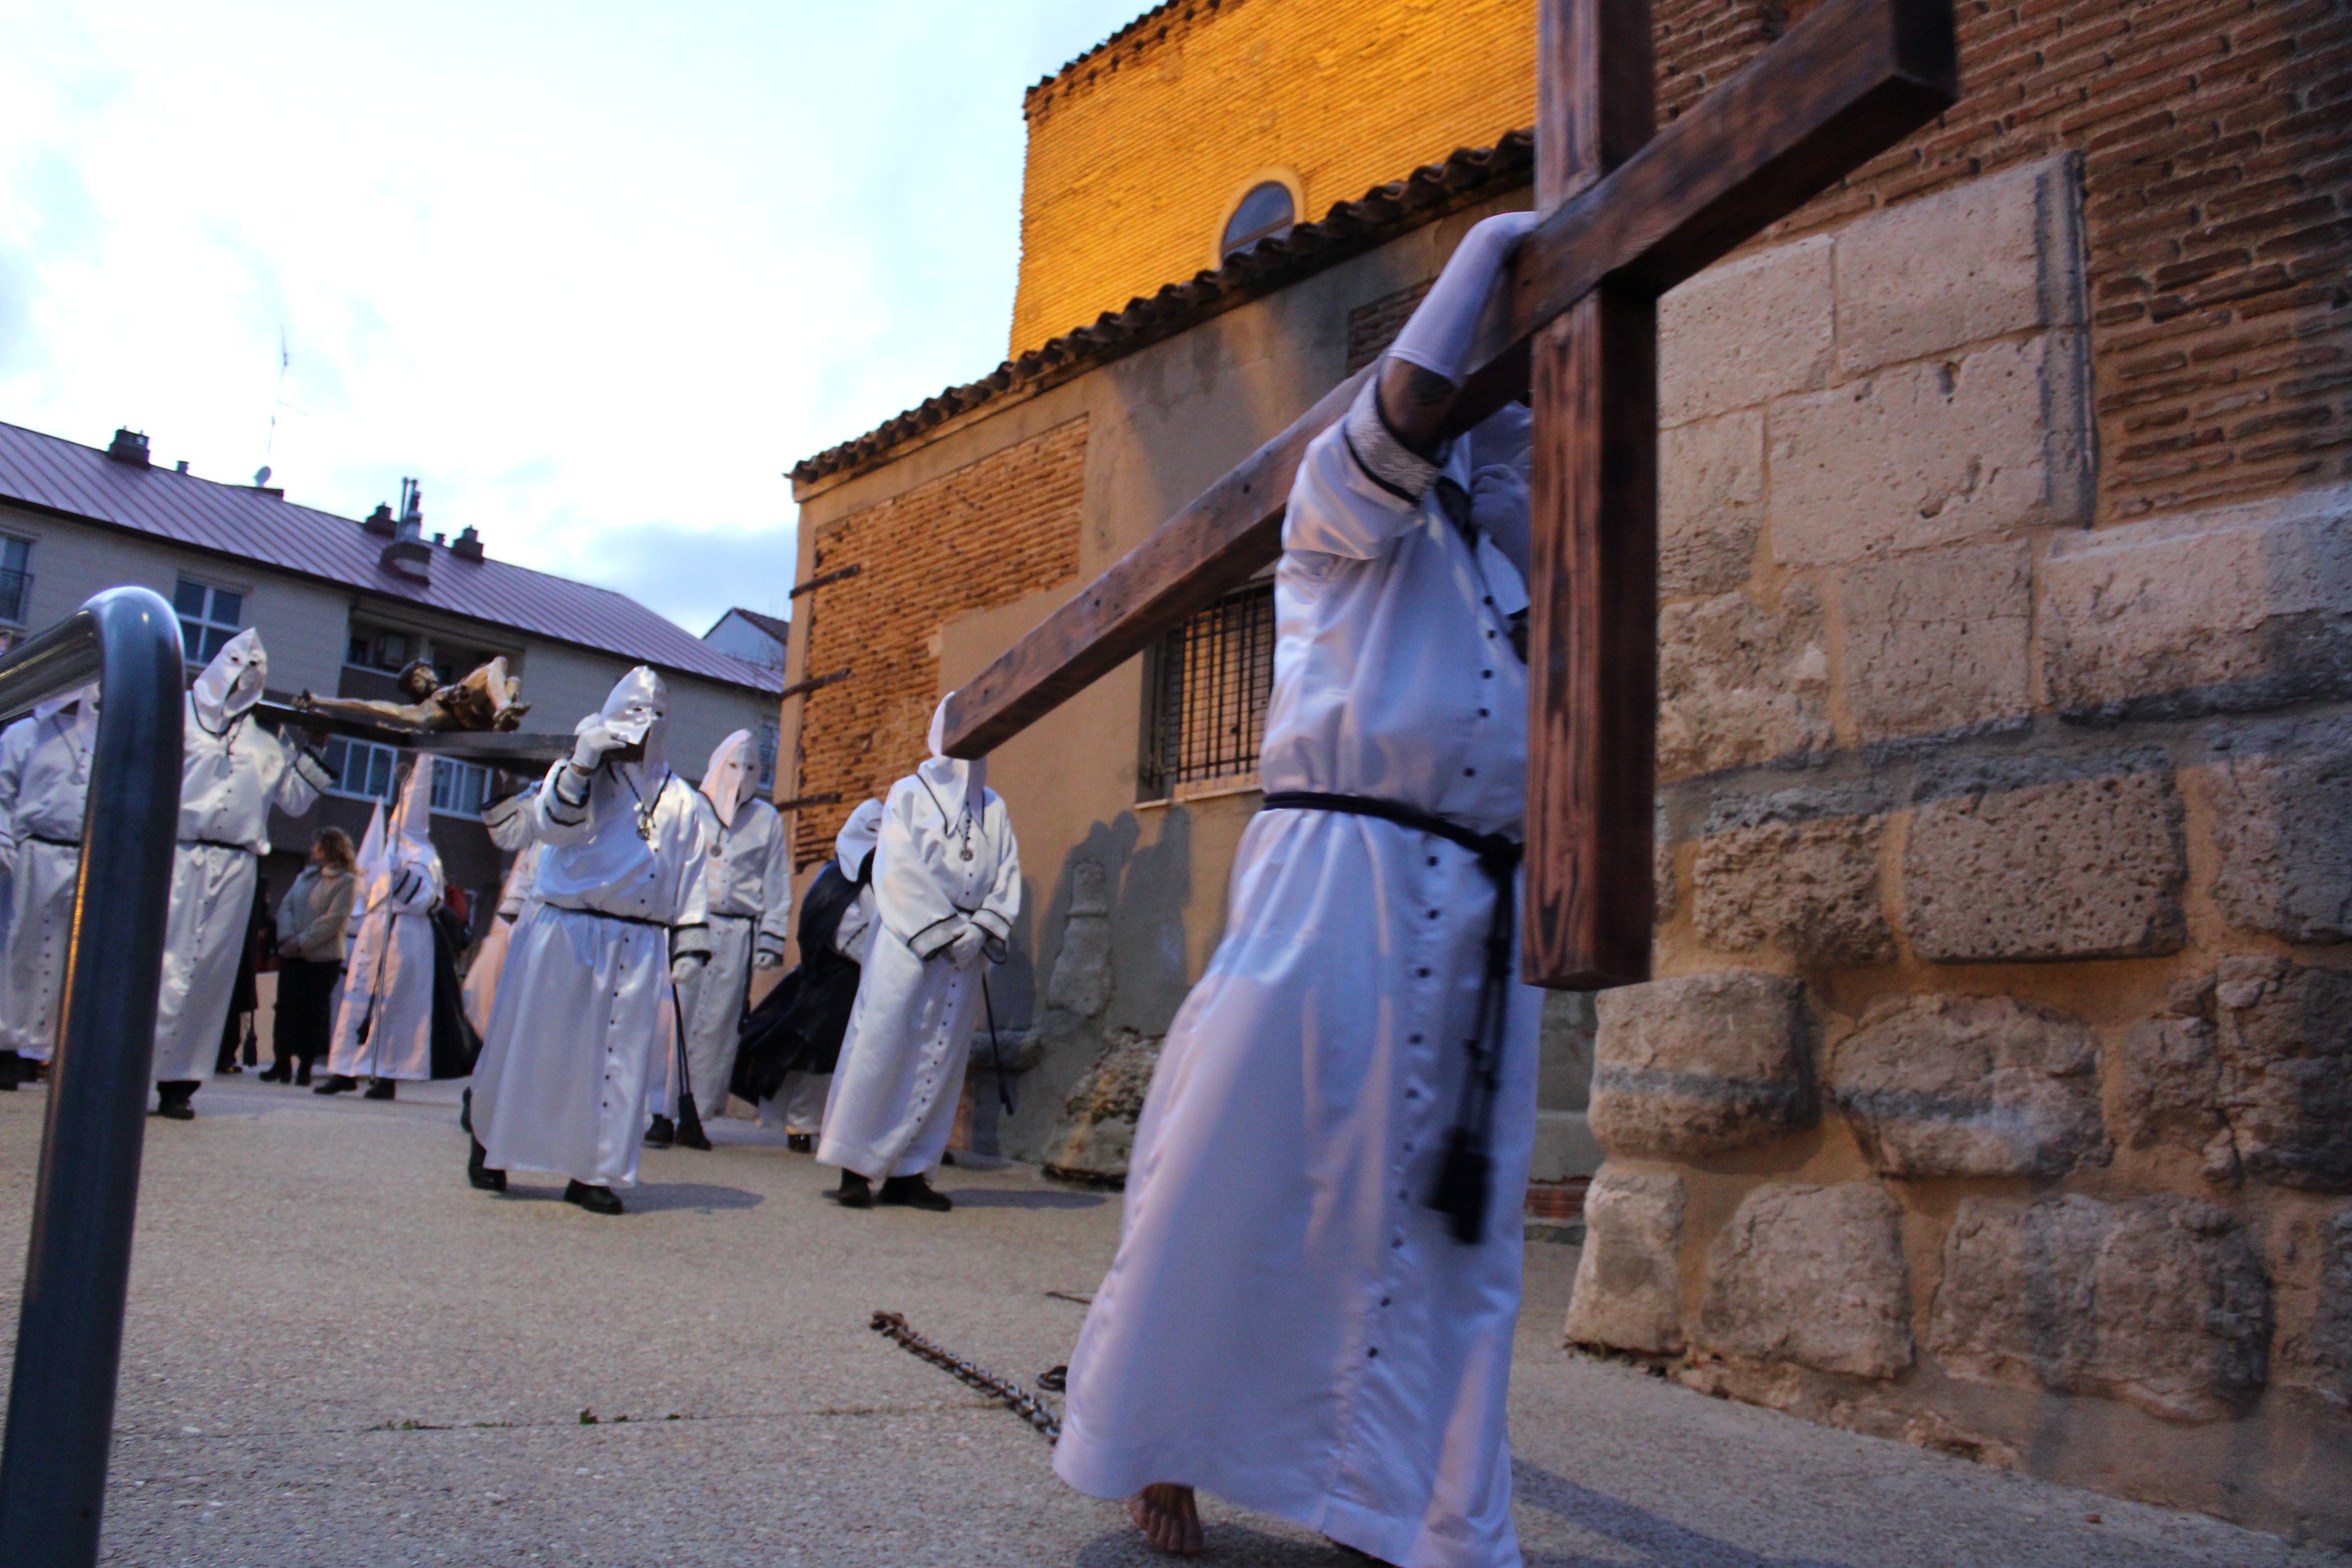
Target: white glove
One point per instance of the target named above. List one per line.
(1499, 506)
(589, 749)
(767, 958)
(1443, 330)
(685, 966)
(964, 950)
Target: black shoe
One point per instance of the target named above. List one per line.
(661, 1133)
(172, 1101)
(800, 1142)
(595, 1200)
(914, 1193)
(855, 1192)
(478, 1171)
(279, 1071)
(381, 1089)
(690, 1134)
(337, 1083)
(302, 1076)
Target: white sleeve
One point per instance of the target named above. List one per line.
(1349, 503)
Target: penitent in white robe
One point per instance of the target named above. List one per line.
(751, 874)
(510, 829)
(43, 780)
(1287, 1324)
(942, 862)
(228, 782)
(561, 1086)
(389, 987)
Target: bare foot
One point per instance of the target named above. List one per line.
(1165, 1514)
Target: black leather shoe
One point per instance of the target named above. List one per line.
(279, 1071)
(690, 1134)
(661, 1133)
(855, 1192)
(302, 1076)
(914, 1193)
(595, 1200)
(800, 1142)
(337, 1083)
(172, 1101)
(478, 1171)
(381, 1089)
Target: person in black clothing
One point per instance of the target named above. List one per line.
(792, 1040)
(312, 917)
(244, 999)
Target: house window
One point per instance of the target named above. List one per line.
(373, 648)
(1266, 213)
(459, 788)
(1210, 681)
(767, 757)
(209, 616)
(15, 583)
(363, 770)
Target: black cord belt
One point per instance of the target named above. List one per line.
(602, 915)
(1464, 1189)
(60, 843)
(216, 844)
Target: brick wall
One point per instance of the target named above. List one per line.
(1138, 153)
(991, 532)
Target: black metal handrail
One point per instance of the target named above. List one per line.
(77, 1266)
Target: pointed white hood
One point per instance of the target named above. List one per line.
(411, 836)
(732, 776)
(858, 838)
(232, 682)
(370, 858)
(952, 781)
(637, 710)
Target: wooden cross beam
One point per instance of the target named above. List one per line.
(1629, 215)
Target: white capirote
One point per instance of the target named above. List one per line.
(384, 1024)
(947, 889)
(232, 772)
(44, 781)
(1288, 1323)
(561, 1086)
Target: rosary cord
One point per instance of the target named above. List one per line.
(1019, 1400)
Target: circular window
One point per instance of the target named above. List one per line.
(1266, 213)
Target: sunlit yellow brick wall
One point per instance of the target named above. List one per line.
(1138, 151)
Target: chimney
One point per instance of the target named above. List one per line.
(130, 446)
(379, 521)
(410, 557)
(183, 466)
(469, 545)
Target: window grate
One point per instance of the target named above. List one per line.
(1212, 679)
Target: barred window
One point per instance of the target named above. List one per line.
(1209, 683)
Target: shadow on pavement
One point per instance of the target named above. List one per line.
(700, 1197)
(1659, 1539)
(1003, 1199)
(1228, 1544)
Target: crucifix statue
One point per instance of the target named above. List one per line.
(1629, 211)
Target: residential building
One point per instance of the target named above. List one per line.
(342, 606)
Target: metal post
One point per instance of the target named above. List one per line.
(77, 1266)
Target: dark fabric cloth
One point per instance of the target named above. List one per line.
(304, 989)
(798, 1026)
(455, 1046)
(244, 997)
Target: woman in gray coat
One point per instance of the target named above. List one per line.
(311, 921)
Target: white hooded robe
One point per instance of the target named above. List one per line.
(1288, 1323)
(44, 781)
(388, 989)
(561, 1086)
(750, 876)
(232, 772)
(947, 860)
(511, 828)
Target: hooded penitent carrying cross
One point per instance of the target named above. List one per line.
(751, 881)
(1287, 1322)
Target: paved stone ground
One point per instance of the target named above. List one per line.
(337, 1353)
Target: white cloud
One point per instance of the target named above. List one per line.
(596, 273)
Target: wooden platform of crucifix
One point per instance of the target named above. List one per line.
(1631, 212)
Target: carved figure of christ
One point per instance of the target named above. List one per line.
(1629, 213)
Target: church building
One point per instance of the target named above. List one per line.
(1994, 1091)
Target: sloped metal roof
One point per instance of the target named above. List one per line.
(54, 475)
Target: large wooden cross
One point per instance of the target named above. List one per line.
(1630, 211)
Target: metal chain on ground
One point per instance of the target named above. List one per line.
(1019, 1400)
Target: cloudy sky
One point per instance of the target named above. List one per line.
(596, 273)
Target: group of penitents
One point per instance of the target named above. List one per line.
(1311, 1308)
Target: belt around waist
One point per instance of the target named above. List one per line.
(216, 844)
(60, 843)
(603, 915)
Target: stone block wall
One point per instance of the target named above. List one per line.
(1995, 1091)
(984, 535)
